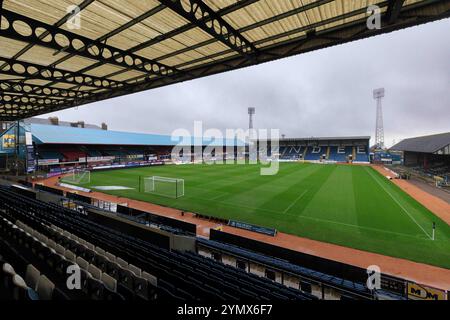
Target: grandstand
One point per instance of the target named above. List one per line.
(60, 148)
(326, 149)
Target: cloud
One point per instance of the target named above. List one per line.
(322, 93)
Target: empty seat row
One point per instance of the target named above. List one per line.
(173, 278)
(312, 275)
(180, 275)
(91, 272)
(91, 288)
(100, 264)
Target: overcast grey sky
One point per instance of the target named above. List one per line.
(322, 93)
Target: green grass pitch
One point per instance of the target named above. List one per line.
(353, 206)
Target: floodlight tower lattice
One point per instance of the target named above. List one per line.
(378, 94)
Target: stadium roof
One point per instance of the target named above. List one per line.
(60, 123)
(425, 144)
(52, 58)
(50, 134)
(324, 138)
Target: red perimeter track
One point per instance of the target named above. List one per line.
(417, 272)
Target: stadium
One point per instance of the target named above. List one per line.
(90, 213)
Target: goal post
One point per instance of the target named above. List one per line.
(77, 176)
(164, 186)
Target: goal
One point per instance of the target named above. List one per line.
(164, 186)
(77, 176)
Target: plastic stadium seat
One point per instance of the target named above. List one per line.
(109, 282)
(95, 289)
(60, 249)
(101, 261)
(36, 246)
(150, 278)
(126, 278)
(45, 288)
(99, 250)
(51, 244)
(54, 260)
(20, 225)
(69, 255)
(84, 276)
(32, 277)
(28, 241)
(89, 245)
(45, 252)
(122, 262)
(7, 274)
(82, 263)
(137, 271)
(62, 266)
(44, 239)
(112, 268)
(110, 256)
(88, 255)
(76, 248)
(19, 288)
(94, 271)
(141, 288)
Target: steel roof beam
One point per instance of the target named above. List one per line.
(117, 31)
(114, 32)
(234, 7)
(251, 27)
(35, 71)
(284, 34)
(39, 90)
(65, 41)
(111, 34)
(23, 99)
(222, 12)
(410, 15)
(59, 23)
(231, 8)
(196, 12)
(330, 37)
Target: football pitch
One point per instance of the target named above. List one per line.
(353, 206)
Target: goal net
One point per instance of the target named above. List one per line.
(77, 176)
(163, 186)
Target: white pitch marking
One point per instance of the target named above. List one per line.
(359, 227)
(295, 201)
(401, 206)
(307, 217)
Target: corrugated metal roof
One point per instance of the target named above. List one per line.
(60, 123)
(61, 54)
(49, 134)
(425, 144)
